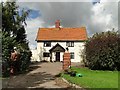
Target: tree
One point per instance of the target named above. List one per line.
(102, 51)
(13, 20)
(13, 33)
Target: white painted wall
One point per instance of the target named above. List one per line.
(53, 56)
(78, 47)
(34, 55)
(61, 56)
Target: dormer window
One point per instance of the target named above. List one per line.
(70, 44)
(47, 44)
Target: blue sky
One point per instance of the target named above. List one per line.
(34, 14)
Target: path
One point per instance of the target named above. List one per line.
(41, 77)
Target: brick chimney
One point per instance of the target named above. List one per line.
(57, 24)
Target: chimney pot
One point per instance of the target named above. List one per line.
(57, 24)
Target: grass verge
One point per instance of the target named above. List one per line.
(93, 78)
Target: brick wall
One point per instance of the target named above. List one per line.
(66, 61)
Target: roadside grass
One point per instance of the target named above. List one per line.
(93, 78)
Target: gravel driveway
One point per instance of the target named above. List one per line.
(43, 76)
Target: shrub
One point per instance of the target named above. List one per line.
(102, 51)
(7, 45)
(24, 60)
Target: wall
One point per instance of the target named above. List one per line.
(78, 47)
(34, 55)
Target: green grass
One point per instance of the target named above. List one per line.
(94, 78)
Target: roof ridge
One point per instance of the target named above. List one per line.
(64, 27)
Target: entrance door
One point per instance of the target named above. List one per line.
(57, 56)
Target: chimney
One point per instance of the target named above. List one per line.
(57, 24)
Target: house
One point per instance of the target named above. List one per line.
(53, 42)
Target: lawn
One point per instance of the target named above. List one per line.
(94, 78)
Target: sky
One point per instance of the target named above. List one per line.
(95, 15)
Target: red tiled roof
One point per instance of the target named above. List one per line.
(61, 34)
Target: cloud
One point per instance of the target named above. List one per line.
(105, 17)
(32, 29)
(34, 14)
(95, 1)
(100, 17)
(67, 0)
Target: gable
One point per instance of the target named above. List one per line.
(57, 48)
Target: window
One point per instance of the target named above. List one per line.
(72, 55)
(47, 44)
(46, 54)
(70, 44)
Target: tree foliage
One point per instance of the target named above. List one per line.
(102, 51)
(13, 20)
(14, 35)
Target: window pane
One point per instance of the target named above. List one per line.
(72, 55)
(45, 54)
(70, 44)
(67, 43)
(47, 44)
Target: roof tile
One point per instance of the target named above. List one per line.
(61, 34)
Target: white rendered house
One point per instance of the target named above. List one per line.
(52, 43)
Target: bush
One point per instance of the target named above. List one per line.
(102, 51)
(7, 45)
(24, 60)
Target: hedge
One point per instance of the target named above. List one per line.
(101, 51)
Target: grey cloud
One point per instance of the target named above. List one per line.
(119, 15)
(70, 14)
(74, 14)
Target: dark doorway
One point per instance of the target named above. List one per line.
(57, 56)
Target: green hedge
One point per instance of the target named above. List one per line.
(102, 51)
(24, 60)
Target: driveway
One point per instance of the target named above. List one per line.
(48, 67)
(43, 76)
